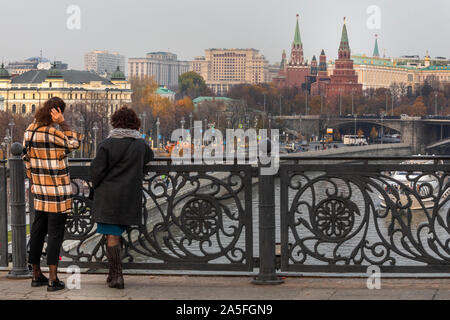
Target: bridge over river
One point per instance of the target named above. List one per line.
(419, 133)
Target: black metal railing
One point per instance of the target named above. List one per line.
(187, 221)
(3, 215)
(335, 214)
(345, 217)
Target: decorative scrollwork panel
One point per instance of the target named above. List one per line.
(192, 219)
(344, 218)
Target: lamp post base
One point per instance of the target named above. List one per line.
(19, 274)
(267, 280)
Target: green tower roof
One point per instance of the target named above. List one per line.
(297, 38)
(376, 53)
(344, 39)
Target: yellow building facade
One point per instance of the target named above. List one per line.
(223, 68)
(24, 93)
(376, 73)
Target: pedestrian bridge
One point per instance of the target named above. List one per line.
(322, 215)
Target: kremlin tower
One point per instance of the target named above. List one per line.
(344, 79)
(295, 72)
(319, 86)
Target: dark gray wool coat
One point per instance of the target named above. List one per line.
(116, 174)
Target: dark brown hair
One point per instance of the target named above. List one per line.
(43, 115)
(125, 118)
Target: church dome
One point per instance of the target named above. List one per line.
(118, 75)
(54, 73)
(4, 74)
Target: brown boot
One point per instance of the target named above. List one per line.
(116, 268)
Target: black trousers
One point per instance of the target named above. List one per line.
(45, 223)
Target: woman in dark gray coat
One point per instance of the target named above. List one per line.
(116, 174)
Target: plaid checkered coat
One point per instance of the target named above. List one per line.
(46, 165)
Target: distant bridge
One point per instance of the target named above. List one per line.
(418, 132)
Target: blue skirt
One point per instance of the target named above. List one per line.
(111, 229)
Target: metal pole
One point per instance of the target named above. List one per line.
(435, 104)
(321, 104)
(157, 134)
(353, 109)
(3, 218)
(392, 104)
(280, 105)
(267, 265)
(18, 221)
(386, 103)
(306, 104)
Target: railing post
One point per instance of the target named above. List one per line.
(18, 220)
(3, 217)
(267, 259)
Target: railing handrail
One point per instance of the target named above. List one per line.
(342, 158)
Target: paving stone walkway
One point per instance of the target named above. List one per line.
(156, 287)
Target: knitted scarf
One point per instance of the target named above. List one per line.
(120, 133)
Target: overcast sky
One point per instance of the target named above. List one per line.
(187, 27)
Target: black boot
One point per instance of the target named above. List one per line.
(116, 267)
(108, 256)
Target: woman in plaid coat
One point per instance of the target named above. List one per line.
(46, 163)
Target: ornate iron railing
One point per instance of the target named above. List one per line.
(187, 221)
(344, 217)
(337, 215)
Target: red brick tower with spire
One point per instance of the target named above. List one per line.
(322, 80)
(323, 73)
(344, 79)
(295, 72)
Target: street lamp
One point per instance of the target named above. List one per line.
(340, 102)
(382, 128)
(190, 123)
(386, 102)
(95, 128)
(321, 103)
(280, 103)
(306, 103)
(353, 109)
(144, 115)
(11, 125)
(270, 123)
(182, 122)
(435, 103)
(157, 133)
(82, 122)
(8, 143)
(392, 103)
